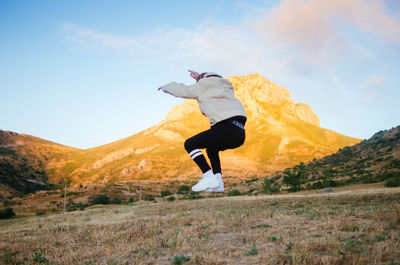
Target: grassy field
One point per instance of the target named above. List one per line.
(345, 227)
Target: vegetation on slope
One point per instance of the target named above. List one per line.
(374, 160)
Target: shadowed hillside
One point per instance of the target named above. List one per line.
(23, 161)
(374, 160)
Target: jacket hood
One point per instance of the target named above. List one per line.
(211, 74)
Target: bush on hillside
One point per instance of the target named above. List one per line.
(325, 184)
(100, 199)
(384, 176)
(171, 198)
(7, 213)
(116, 200)
(76, 206)
(393, 182)
(192, 196)
(234, 193)
(165, 193)
(183, 189)
(149, 198)
(369, 178)
(268, 188)
(195, 197)
(294, 179)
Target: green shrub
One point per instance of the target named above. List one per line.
(324, 184)
(266, 186)
(252, 252)
(171, 198)
(116, 200)
(100, 199)
(183, 189)
(368, 178)
(7, 213)
(6, 203)
(294, 178)
(76, 206)
(234, 193)
(39, 257)
(195, 196)
(165, 193)
(149, 198)
(9, 257)
(268, 189)
(178, 260)
(393, 182)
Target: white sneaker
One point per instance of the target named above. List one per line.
(208, 181)
(221, 184)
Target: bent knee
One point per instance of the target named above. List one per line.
(189, 144)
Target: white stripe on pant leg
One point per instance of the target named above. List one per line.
(197, 154)
(194, 151)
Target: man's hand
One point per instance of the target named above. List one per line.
(194, 74)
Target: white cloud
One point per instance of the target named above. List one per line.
(300, 34)
(88, 37)
(218, 46)
(314, 29)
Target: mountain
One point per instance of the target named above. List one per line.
(374, 160)
(279, 134)
(23, 160)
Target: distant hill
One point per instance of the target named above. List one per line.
(280, 134)
(374, 160)
(23, 161)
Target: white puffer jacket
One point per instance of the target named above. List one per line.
(215, 96)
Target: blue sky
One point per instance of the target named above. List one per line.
(86, 73)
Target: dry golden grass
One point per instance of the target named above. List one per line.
(340, 228)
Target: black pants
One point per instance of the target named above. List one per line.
(221, 136)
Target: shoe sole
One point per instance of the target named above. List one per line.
(215, 191)
(214, 186)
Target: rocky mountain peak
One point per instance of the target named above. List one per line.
(254, 87)
(260, 98)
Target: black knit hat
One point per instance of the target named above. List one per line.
(201, 76)
(207, 74)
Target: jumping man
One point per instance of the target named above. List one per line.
(216, 99)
